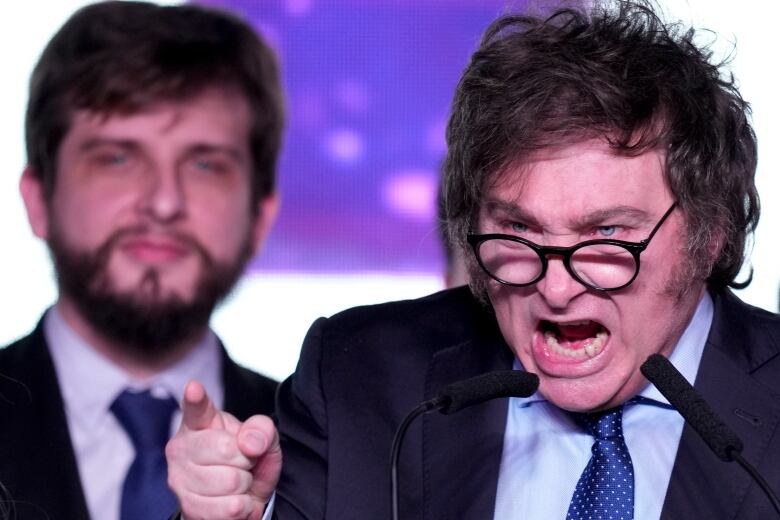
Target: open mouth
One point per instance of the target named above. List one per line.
(581, 339)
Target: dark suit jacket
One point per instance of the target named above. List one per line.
(363, 370)
(37, 464)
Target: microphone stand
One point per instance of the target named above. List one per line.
(760, 480)
(437, 403)
(455, 397)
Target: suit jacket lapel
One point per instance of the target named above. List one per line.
(236, 401)
(701, 485)
(246, 393)
(40, 469)
(462, 452)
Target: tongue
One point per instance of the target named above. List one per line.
(579, 332)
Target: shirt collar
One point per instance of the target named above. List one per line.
(89, 382)
(685, 356)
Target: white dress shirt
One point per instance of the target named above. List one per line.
(89, 384)
(545, 452)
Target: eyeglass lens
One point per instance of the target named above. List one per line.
(602, 266)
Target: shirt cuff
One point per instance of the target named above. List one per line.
(269, 508)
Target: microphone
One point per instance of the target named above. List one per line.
(492, 385)
(696, 412)
(457, 396)
(694, 409)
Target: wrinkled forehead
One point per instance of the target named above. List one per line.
(582, 161)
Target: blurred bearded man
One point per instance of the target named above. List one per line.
(152, 137)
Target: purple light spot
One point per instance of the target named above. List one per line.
(298, 7)
(352, 96)
(345, 146)
(412, 194)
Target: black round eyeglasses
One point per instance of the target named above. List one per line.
(603, 265)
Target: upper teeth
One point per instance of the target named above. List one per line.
(573, 323)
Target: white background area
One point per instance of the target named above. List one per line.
(266, 318)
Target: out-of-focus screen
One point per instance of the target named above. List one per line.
(368, 86)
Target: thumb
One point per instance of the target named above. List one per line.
(259, 439)
(198, 411)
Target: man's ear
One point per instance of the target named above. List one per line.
(265, 216)
(715, 247)
(31, 188)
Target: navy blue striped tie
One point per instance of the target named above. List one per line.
(147, 420)
(606, 488)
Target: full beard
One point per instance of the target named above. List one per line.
(144, 322)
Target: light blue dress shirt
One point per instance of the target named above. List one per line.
(545, 452)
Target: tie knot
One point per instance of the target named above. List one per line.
(146, 418)
(604, 425)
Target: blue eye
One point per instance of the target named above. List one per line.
(113, 159)
(117, 159)
(607, 231)
(203, 164)
(210, 165)
(519, 227)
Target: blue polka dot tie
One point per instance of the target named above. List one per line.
(605, 490)
(147, 420)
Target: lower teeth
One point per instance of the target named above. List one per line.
(591, 348)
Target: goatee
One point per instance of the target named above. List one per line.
(143, 321)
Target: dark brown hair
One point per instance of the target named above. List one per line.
(617, 73)
(120, 57)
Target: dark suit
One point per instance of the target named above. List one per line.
(363, 370)
(37, 464)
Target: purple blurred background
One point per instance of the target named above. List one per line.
(368, 87)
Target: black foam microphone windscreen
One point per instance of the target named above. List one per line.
(503, 383)
(694, 409)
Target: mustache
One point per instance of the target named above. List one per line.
(103, 252)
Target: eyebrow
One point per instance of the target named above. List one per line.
(627, 214)
(510, 210)
(96, 142)
(230, 151)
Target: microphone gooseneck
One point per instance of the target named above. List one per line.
(696, 412)
(694, 409)
(455, 397)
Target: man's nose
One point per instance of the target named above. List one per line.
(558, 287)
(163, 197)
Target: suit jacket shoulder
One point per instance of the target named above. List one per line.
(37, 464)
(739, 376)
(359, 374)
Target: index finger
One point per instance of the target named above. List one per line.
(198, 411)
